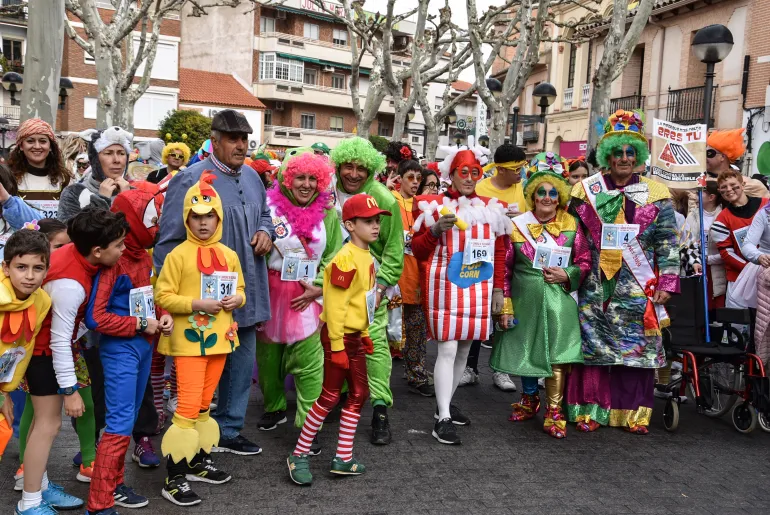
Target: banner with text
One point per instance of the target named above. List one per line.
(678, 155)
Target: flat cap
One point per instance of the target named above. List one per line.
(230, 120)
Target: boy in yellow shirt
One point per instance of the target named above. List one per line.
(201, 283)
(23, 307)
(349, 294)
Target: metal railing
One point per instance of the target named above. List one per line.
(530, 132)
(11, 113)
(628, 103)
(567, 104)
(585, 98)
(685, 106)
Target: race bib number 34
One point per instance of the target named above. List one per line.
(478, 251)
(218, 285)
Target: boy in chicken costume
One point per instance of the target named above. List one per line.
(204, 334)
(460, 245)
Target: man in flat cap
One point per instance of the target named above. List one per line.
(248, 230)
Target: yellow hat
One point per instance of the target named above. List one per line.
(202, 198)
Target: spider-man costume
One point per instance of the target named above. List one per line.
(125, 353)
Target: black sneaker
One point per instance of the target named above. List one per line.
(458, 418)
(444, 431)
(206, 472)
(178, 491)
(238, 445)
(315, 447)
(381, 429)
(126, 497)
(271, 419)
(426, 390)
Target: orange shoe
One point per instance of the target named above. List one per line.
(85, 473)
(19, 478)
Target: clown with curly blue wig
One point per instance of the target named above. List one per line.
(631, 230)
(548, 258)
(307, 236)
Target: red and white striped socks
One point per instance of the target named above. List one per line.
(348, 424)
(315, 417)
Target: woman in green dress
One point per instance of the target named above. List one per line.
(546, 263)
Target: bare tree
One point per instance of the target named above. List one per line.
(45, 43)
(619, 45)
(117, 55)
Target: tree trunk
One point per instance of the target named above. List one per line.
(399, 120)
(42, 71)
(600, 108)
(497, 129)
(107, 104)
(431, 144)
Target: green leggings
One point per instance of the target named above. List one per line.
(304, 360)
(379, 364)
(85, 426)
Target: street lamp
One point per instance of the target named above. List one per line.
(449, 119)
(711, 45)
(546, 95)
(459, 137)
(4, 127)
(495, 87)
(484, 141)
(515, 126)
(13, 82)
(64, 85)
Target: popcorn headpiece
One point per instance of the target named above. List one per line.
(459, 157)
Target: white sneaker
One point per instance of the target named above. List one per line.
(541, 383)
(171, 404)
(469, 377)
(504, 382)
(19, 480)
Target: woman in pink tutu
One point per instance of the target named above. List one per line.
(307, 236)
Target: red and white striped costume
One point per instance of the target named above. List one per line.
(455, 312)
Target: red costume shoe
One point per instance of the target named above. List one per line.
(586, 425)
(526, 409)
(555, 424)
(637, 430)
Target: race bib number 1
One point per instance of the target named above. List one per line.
(616, 236)
(142, 302)
(478, 251)
(218, 285)
(296, 268)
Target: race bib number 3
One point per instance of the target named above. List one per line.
(296, 268)
(142, 302)
(478, 251)
(551, 257)
(616, 236)
(218, 285)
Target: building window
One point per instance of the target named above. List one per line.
(384, 129)
(338, 81)
(12, 51)
(166, 64)
(311, 76)
(415, 139)
(571, 70)
(268, 117)
(266, 24)
(590, 60)
(266, 66)
(340, 37)
(307, 121)
(336, 123)
(312, 31)
(278, 68)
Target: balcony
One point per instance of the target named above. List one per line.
(629, 103)
(585, 98)
(12, 114)
(296, 137)
(685, 106)
(287, 91)
(14, 10)
(567, 103)
(531, 132)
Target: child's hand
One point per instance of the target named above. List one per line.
(166, 325)
(210, 306)
(7, 409)
(232, 302)
(4, 195)
(368, 345)
(73, 405)
(340, 359)
(152, 327)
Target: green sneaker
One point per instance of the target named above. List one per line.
(347, 468)
(299, 469)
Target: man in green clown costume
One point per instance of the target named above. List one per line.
(357, 164)
(307, 236)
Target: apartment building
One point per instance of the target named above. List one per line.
(663, 77)
(297, 59)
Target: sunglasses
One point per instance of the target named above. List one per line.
(413, 177)
(629, 153)
(82, 165)
(711, 153)
(473, 173)
(552, 194)
(176, 156)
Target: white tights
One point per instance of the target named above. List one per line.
(450, 365)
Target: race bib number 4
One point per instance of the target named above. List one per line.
(218, 285)
(142, 302)
(296, 268)
(551, 257)
(49, 208)
(616, 236)
(478, 251)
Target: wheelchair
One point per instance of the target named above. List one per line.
(720, 376)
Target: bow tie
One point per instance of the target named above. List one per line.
(553, 228)
(608, 203)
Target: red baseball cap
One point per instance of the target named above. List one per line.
(361, 206)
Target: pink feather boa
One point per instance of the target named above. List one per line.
(303, 220)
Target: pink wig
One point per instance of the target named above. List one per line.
(312, 164)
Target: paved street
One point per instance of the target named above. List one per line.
(705, 468)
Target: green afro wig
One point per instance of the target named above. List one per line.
(617, 139)
(361, 151)
(555, 180)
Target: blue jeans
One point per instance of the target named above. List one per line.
(529, 385)
(235, 384)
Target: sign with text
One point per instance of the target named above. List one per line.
(678, 154)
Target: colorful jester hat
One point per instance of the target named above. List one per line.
(547, 167)
(622, 128)
(202, 198)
